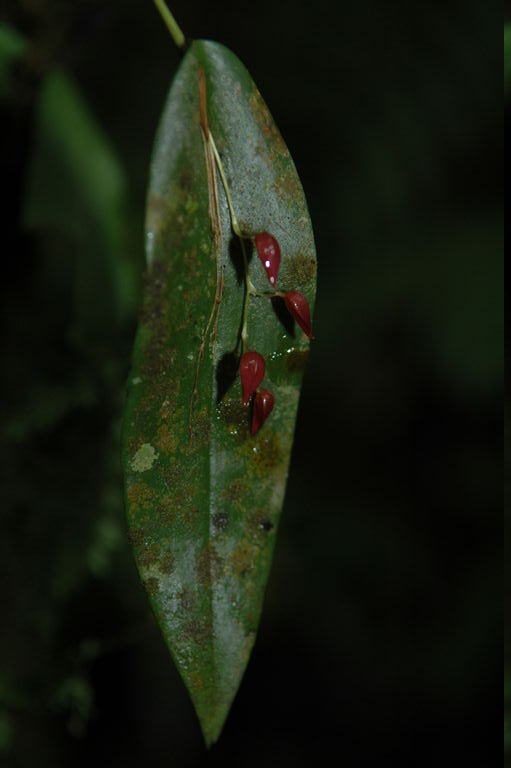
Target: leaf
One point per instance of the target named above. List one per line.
(13, 47)
(90, 184)
(204, 497)
(76, 187)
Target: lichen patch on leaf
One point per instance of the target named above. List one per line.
(144, 458)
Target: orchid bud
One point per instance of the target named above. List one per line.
(252, 370)
(298, 307)
(268, 251)
(263, 406)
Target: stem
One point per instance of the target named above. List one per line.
(248, 287)
(234, 220)
(264, 294)
(172, 25)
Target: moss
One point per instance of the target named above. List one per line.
(196, 682)
(167, 511)
(177, 419)
(262, 150)
(287, 184)
(266, 455)
(131, 443)
(166, 515)
(299, 270)
(154, 308)
(168, 405)
(186, 600)
(267, 125)
(208, 565)
(136, 537)
(199, 431)
(198, 630)
(235, 415)
(190, 515)
(167, 440)
(157, 363)
(235, 491)
(151, 585)
(140, 495)
(242, 559)
(148, 555)
(167, 563)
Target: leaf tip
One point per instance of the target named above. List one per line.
(212, 721)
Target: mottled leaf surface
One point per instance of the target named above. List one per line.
(204, 497)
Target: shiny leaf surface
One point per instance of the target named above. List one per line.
(203, 496)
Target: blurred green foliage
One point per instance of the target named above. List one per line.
(382, 620)
(507, 58)
(12, 47)
(76, 188)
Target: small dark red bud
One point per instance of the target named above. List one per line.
(252, 369)
(298, 307)
(268, 251)
(263, 406)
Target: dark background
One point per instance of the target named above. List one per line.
(381, 633)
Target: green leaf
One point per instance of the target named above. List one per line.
(204, 497)
(75, 178)
(13, 47)
(76, 187)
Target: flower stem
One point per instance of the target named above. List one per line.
(172, 25)
(249, 288)
(234, 220)
(265, 294)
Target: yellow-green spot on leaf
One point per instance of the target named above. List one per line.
(144, 458)
(191, 205)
